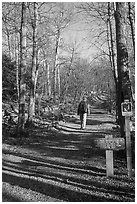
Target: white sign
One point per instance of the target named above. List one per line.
(126, 108)
(110, 143)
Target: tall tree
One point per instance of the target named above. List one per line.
(124, 85)
(132, 24)
(55, 64)
(61, 17)
(22, 73)
(112, 48)
(34, 69)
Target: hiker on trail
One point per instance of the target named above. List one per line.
(82, 111)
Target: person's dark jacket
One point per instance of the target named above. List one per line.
(82, 108)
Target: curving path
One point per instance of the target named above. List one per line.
(63, 165)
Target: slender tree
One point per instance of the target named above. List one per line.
(17, 63)
(7, 32)
(22, 72)
(55, 64)
(34, 69)
(112, 49)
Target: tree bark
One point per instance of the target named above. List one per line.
(55, 66)
(113, 55)
(131, 20)
(17, 63)
(22, 84)
(47, 78)
(58, 77)
(69, 71)
(124, 88)
(8, 36)
(34, 70)
(48, 81)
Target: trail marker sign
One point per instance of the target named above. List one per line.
(109, 144)
(126, 108)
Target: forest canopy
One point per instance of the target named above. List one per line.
(56, 52)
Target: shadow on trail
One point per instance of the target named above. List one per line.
(67, 183)
(54, 162)
(90, 121)
(98, 122)
(54, 189)
(6, 196)
(95, 132)
(68, 167)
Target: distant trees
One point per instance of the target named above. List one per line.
(22, 71)
(36, 44)
(115, 20)
(60, 18)
(47, 68)
(9, 91)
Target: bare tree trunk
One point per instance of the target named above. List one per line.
(113, 54)
(75, 95)
(55, 66)
(48, 81)
(8, 37)
(58, 77)
(124, 88)
(45, 89)
(22, 96)
(17, 63)
(47, 78)
(34, 70)
(69, 71)
(131, 20)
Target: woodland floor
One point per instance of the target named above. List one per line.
(64, 165)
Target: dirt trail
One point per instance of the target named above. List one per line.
(63, 165)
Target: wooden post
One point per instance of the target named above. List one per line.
(126, 107)
(109, 163)
(109, 159)
(128, 145)
(110, 144)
